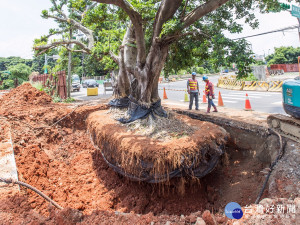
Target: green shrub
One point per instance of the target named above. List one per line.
(38, 85)
(69, 100)
(56, 99)
(250, 77)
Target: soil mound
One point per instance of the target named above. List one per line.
(25, 94)
(143, 158)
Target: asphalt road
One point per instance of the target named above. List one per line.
(269, 102)
(82, 94)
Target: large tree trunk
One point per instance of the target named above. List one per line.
(144, 98)
(126, 61)
(146, 90)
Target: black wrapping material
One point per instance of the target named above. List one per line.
(120, 103)
(198, 171)
(137, 111)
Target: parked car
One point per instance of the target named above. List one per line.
(75, 83)
(90, 83)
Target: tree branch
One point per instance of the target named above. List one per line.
(79, 26)
(83, 47)
(55, 33)
(114, 57)
(137, 22)
(165, 12)
(88, 8)
(201, 11)
(184, 9)
(172, 38)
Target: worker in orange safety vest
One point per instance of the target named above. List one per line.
(193, 90)
(209, 92)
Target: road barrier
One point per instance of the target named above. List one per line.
(275, 86)
(234, 84)
(249, 85)
(262, 86)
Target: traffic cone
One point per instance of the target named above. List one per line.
(204, 100)
(186, 97)
(220, 100)
(247, 104)
(165, 94)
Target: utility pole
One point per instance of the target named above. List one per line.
(69, 67)
(82, 64)
(46, 63)
(299, 27)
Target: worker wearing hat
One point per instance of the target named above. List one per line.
(193, 90)
(209, 92)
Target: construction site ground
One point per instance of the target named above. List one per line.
(58, 158)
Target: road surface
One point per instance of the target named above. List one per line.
(82, 94)
(269, 102)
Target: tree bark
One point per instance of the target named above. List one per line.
(126, 61)
(146, 91)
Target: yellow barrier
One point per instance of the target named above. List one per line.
(221, 83)
(250, 86)
(262, 86)
(92, 91)
(275, 86)
(238, 85)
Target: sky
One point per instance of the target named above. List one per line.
(21, 23)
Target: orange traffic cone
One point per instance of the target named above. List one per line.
(220, 100)
(165, 94)
(204, 98)
(247, 104)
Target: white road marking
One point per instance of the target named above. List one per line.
(243, 96)
(230, 101)
(277, 103)
(168, 103)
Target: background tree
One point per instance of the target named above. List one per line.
(19, 73)
(94, 36)
(13, 60)
(242, 56)
(284, 55)
(67, 19)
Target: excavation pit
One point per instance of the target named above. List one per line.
(62, 162)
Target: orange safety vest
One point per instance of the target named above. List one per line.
(207, 88)
(193, 85)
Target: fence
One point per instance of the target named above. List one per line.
(285, 67)
(94, 77)
(55, 83)
(234, 84)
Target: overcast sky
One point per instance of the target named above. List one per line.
(21, 23)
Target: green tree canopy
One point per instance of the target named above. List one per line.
(284, 55)
(19, 73)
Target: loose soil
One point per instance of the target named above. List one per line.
(62, 162)
(159, 128)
